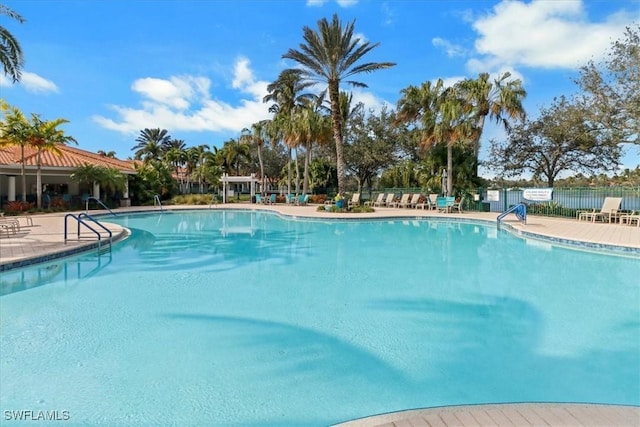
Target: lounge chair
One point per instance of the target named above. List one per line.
(377, 202)
(355, 200)
(303, 199)
(433, 198)
(425, 204)
(458, 205)
(411, 201)
(259, 199)
(290, 199)
(402, 202)
(388, 200)
(271, 200)
(630, 218)
(610, 207)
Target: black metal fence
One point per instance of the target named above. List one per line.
(564, 202)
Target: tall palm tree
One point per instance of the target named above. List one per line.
(500, 100)
(11, 55)
(14, 130)
(151, 143)
(442, 117)
(287, 94)
(45, 136)
(330, 56)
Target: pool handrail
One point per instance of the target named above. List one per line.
(80, 221)
(156, 201)
(520, 210)
(99, 202)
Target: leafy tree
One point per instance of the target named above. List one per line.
(612, 89)
(561, 139)
(110, 179)
(500, 100)
(330, 55)
(11, 55)
(110, 154)
(372, 140)
(152, 178)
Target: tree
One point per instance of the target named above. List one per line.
(45, 136)
(500, 100)
(111, 179)
(14, 130)
(330, 56)
(371, 144)
(612, 88)
(151, 144)
(563, 138)
(10, 51)
(440, 116)
(287, 94)
(110, 154)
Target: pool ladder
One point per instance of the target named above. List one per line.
(80, 220)
(156, 201)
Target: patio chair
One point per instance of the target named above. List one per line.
(458, 205)
(290, 199)
(271, 200)
(388, 200)
(377, 202)
(433, 198)
(610, 206)
(403, 201)
(424, 204)
(355, 200)
(630, 218)
(303, 199)
(411, 201)
(259, 198)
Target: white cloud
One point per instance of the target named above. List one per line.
(185, 104)
(341, 3)
(546, 34)
(32, 83)
(451, 49)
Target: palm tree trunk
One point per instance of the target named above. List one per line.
(39, 184)
(297, 174)
(334, 96)
(24, 177)
(449, 169)
(307, 160)
(261, 168)
(289, 173)
(476, 147)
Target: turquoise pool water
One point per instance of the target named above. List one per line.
(249, 318)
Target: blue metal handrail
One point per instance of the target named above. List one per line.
(156, 200)
(520, 210)
(79, 220)
(99, 202)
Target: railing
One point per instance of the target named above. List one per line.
(99, 202)
(156, 201)
(80, 221)
(520, 210)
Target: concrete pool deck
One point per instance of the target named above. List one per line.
(41, 238)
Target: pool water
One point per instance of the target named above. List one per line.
(250, 318)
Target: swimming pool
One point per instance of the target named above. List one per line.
(244, 318)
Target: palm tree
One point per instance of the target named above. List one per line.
(10, 51)
(151, 143)
(110, 154)
(287, 94)
(330, 56)
(443, 118)
(501, 100)
(14, 130)
(45, 136)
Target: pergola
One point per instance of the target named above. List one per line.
(226, 179)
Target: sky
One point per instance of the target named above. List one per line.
(200, 68)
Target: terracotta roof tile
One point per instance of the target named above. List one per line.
(70, 157)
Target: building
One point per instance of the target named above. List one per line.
(55, 171)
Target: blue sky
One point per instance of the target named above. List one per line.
(199, 68)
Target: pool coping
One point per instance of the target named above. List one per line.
(514, 227)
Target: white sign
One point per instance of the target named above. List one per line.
(538, 194)
(493, 195)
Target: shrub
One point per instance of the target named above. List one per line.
(19, 206)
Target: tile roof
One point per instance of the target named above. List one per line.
(69, 157)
